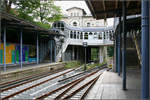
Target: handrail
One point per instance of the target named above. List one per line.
(137, 47)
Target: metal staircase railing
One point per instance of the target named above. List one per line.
(137, 47)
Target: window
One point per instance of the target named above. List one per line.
(74, 34)
(74, 23)
(81, 36)
(86, 36)
(88, 24)
(100, 36)
(77, 14)
(90, 33)
(78, 35)
(71, 35)
(71, 14)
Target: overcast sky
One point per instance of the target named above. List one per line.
(81, 4)
(68, 4)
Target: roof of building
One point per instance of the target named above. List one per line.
(102, 9)
(17, 23)
(84, 12)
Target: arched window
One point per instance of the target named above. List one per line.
(71, 35)
(100, 36)
(78, 35)
(81, 36)
(88, 24)
(90, 33)
(74, 23)
(86, 36)
(74, 34)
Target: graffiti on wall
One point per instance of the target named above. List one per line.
(13, 53)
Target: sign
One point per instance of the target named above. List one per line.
(85, 44)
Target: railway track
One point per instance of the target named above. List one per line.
(14, 83)
(26, 86)
(77, 88)
(59, 85)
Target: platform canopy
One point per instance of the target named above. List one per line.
(102, 9)
(17, 23)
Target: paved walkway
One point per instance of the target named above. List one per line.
(109, 86)
(14, 68)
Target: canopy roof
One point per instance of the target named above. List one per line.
(17, 23)
(102, 9)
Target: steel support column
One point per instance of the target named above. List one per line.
(145, 49)
(85, 59)
(119, 49)
(124, 45)
(37, 49)
(51, 53)
(5, 47)
(54, 50)
(73, 53)
(116, 47)
(21, 48)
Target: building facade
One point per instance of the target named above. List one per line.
(77, 17)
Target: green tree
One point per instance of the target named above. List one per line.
(37, 11)
(47, 12)
(25, 8)
(110, 51)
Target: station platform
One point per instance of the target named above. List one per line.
(109, 86)
(16, 68)
(14, 72)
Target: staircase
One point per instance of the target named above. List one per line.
(63, 49)
(135, 39)
(133, 51)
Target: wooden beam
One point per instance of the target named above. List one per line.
(88, 2)
(128, 3)
(116, 6)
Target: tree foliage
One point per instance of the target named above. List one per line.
(47, 12)
(40, 12)
(110, 51)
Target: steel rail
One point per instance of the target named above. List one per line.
(73, 82)
(24, 81)
(18, 92)
(80, 88)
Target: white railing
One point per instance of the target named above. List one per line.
(91, 42)
(63, 49)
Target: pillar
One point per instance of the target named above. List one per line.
(124, 45)
(21, 48)
(51, 52)
(145, 50)
(83, 34)
(77, 53)
(79, 34)
(101, 56)
(73, 53)
(54, 50)
(119, 49)
(69, 34)
(5, 47)
(116, 47)
(37, 49)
